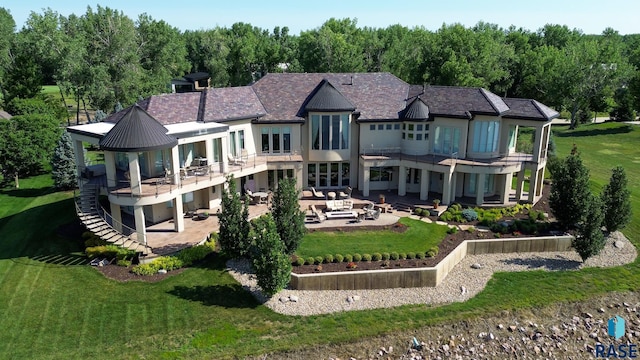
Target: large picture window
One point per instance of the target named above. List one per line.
(330, 132)
(485, 136)
(447, 140)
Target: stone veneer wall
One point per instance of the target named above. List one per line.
(432, 276)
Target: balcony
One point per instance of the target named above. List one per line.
(394, 153)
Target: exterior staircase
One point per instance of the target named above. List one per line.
(92, 216)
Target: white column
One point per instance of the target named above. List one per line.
(520, 184)
(208, 144)
(224, 154)
(175, 165)
(446, 188)
(117, 217)
(533, 183)
(141, 229)
(110, 168)
(402, 180)
(454, 186)
(537, 144)
(425, 178)
(78, 150)
(298, 176)
(365, 181)
(480, 189)
(178, 214)
(134, 173)
(506, 188)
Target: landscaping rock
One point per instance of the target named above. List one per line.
(476, 266)
(618, 244)
(162, 271)
(293, 298)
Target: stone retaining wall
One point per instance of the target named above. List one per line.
(431, 276)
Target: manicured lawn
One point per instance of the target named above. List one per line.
(52, 310)
(419, 237)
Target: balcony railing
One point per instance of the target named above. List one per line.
(395, 153)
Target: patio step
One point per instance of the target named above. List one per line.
(403, 207)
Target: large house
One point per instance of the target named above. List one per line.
(372, 131)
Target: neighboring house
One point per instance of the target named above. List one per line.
(191, 82)
(370, 131)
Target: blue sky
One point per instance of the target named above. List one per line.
(592, 17)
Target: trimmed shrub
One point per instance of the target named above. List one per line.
(469, 215)
(446, 216)
(348, 258)
(376, 257)
(195, 253)
(394, 256)
(386, 256)
(366, 257)
(145, 269)
(168, 263)
(298, 261)
(318, 260)
(433, 251)
(94, 240)
(310, 260)
(357, 257)
(418, 211)
(338, 258)
(452, 230)
(411, 255)
(328, 258)
(420, 255)
(124, 262)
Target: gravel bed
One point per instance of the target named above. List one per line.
(462, 283)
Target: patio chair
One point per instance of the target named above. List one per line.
(317, 194)
(346, 194)
(234, 160)
(372, 214)
(191, 211)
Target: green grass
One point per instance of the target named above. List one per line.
(419, 237)
(52, 310)
(51, 89)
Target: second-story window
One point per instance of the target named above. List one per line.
(330, 132)
(485, 136)
(276, 139)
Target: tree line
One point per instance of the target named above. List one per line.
(103, 57)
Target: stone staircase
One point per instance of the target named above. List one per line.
(93, 218)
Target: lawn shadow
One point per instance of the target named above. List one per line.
(49, 233)
(596, 132)
(537, 262)
(228, 296)
(27, 192)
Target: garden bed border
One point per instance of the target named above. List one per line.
(427, 276)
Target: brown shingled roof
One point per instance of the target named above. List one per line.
(137, 130)
(462, 102)
(374, 95)
(528, 109)
(232, 103)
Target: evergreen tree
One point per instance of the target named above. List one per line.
(99, 116)
(234, 224)
(569, 190)
(271, 264)
(589, 239)
(616, 201)
(287, 215)
(63, 164)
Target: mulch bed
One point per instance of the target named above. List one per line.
(123, 274)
